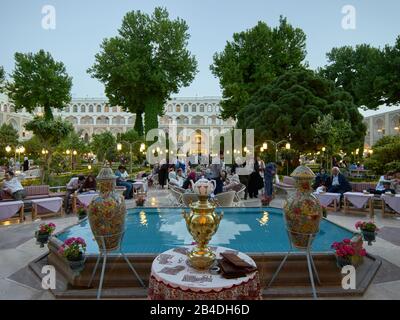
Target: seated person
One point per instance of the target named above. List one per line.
(73, 185)
(122, 176)
(232, 183)
(380, 187)
(191, 177)
(178, 180)
(13, 186)
(337, 182)
(88, 185)
(320, 179)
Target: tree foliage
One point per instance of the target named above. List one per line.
(2, 79)
(9, 137)
(386, 155)
(255, 58)
(293, 103)
(371, 75)
(104, 145)
(145, 64)
(39, 81)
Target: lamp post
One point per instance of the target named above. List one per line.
(276, 145)
(131, 144)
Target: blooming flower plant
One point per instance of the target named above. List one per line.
(347, 249)
(47, 228)
(366, 226)
(73, 248)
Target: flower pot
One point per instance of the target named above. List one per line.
(42, 238)
(106, 212)
(302, 210)
(368, 236)
(344, 261)
(78, 264)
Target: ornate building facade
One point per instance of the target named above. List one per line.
(385, 121)
(94, 116)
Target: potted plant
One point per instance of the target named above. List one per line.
(42, 235)
(140, 200)
(348, 252)
(82, 212)
(73, 249)
(368, 230)
(265, 200)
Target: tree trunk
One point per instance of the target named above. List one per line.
(139, 124)
(48, 113)
(152, 109)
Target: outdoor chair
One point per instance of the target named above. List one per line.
(238, 196)
(176, 196)
(188, 198)
(225, 199)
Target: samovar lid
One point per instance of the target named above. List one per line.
(303, 172)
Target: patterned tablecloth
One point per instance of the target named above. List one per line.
(9, 208)
(327, 198)
(358, 199)
(392, 201)
(173, 279)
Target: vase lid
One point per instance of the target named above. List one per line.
(303, 172)
(106, 173)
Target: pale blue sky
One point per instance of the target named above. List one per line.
(82, 24)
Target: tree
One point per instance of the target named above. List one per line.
(50, 133)
(9, 137)
(334, 135)
(358, 71)
(2, 79)
(39, 81)
(255, 58)
(293, 103)
(386, 155)
(104, 145)
(145, 64)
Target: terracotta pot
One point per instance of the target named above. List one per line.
(107, 212)
(302, 210)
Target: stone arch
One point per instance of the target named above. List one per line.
(199, 120)
(99, 130)
(73, 120)
(87, 120)
(182, 120)
(118, 120)
(102, 120)
(14, 123)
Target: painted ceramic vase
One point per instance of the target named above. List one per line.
(107, 212)
(302, 210)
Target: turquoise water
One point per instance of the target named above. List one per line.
(154, 230)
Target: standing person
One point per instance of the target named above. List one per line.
(73, 185)
(26, 164)
(269, 174)
(244, 173)
(13, 186)
(255, 180)
(163, 173)
(215, 174)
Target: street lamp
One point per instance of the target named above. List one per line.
(8, 149)
(141, 149)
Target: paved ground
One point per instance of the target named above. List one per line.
(18, 248)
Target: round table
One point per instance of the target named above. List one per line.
(173, 279)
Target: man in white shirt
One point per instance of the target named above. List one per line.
(73, 185)
(13, 186)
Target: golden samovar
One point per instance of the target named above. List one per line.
(202, 223)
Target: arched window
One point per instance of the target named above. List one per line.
(178, 108)
(83, 109)
(99, 108)
(114, 109)
(194, 108)
(75, 108)
(201, 108)
(185, 108)
(90, 108)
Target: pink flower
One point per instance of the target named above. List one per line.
(346, 241)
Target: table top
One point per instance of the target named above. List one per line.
(359, 194)
(328, 194)
(10, 203)
(52, 199)
(171, 268)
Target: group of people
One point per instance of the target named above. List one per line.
(80, 184)
(123, 180)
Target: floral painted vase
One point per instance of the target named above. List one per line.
(107, 212)
(302, 210)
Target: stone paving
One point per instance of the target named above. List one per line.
(18, 248)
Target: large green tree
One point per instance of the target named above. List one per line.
(293, 103)
(386, 155)
(146, 63)
(39, 81)
(358, 71)
(104, 145)
(255, 58)
(50, 133)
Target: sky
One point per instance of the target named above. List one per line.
(81, 25)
